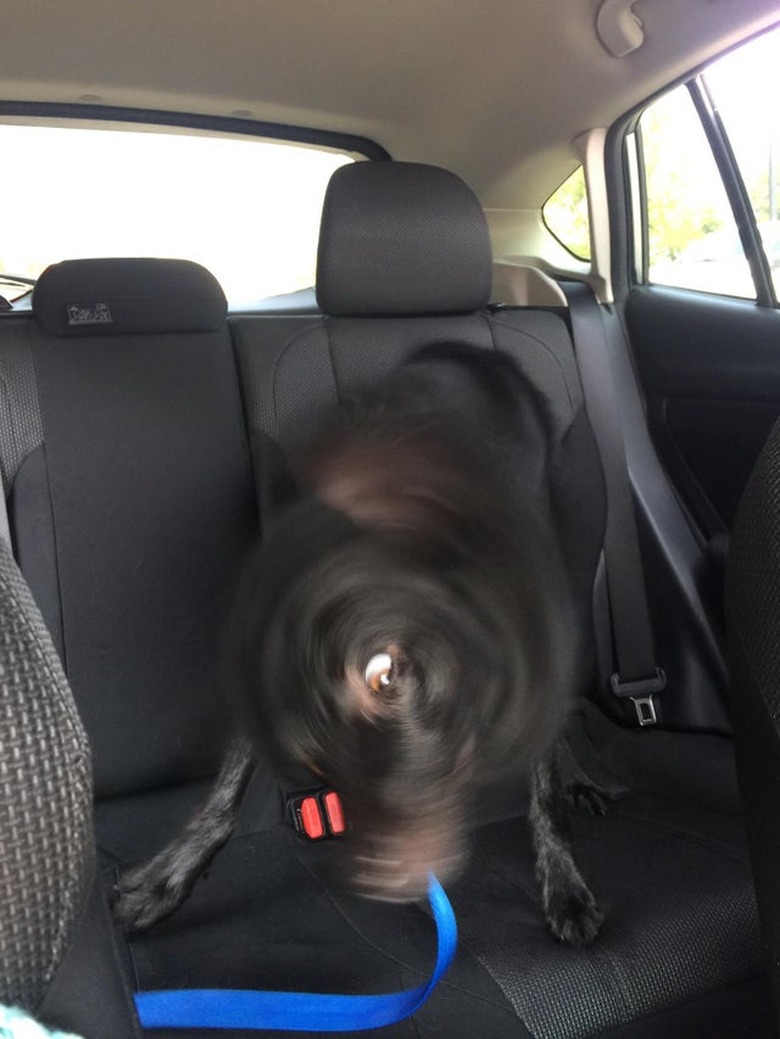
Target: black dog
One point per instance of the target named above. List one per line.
(404, 635)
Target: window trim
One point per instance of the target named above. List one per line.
(235, 125)
(637, 241)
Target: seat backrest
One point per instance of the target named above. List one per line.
(47, 859)
(134, 504)
(753, 627)
(405, 261)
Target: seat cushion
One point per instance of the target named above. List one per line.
(668, 864)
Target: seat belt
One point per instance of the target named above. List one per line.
(300, 1011)
(637, 677)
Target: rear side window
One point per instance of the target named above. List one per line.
(247, 209)
(692, 236)
(566, 214)
(744, 87)
(710, 154)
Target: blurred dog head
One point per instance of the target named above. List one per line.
(402, 632)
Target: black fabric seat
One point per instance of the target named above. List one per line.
(753, 616)
(55, 936)
(144, 466)
(141, 461)
(404, 260)
(132, 504)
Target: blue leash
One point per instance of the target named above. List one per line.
(300, 1011)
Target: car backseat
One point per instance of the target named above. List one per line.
(385, 288)
(132, 502)
(145, 468)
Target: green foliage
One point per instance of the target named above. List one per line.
(566, 214)
(692, 234)
(758, 190)
(685, 199)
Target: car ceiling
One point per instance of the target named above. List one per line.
(495, 90)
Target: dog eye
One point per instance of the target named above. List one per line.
(379, 672)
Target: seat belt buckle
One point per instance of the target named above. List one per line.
(316, 815)
(641, 693)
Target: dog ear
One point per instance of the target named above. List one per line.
(484, 384)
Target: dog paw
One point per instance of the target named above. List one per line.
(145, 894)
(573, 916)
(588, 798)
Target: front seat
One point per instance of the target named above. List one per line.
(753, 622)
(54, 932)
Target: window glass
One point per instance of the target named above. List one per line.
(247, 209)
(693, 241)
(566, 214)
(744, 87)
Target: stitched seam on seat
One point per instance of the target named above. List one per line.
(393, 959)
(710, 843)
(546, 348)
(274, 371)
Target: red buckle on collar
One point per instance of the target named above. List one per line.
(317, 815)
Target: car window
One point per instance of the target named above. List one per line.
(692, 236)
(566, 214)
(248, 209)
(744, 86)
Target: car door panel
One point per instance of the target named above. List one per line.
(710, 369)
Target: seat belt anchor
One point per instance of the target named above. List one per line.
(641, 693)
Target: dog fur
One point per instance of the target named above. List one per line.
(424, 539)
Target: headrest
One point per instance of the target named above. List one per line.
(398, 238)
(127, 297)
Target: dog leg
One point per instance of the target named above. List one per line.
(570, 909)
(154, 889)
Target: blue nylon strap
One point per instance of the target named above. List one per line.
(300, 1011)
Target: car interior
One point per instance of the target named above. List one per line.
(150, 411)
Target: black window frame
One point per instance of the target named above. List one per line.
(192, 121)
